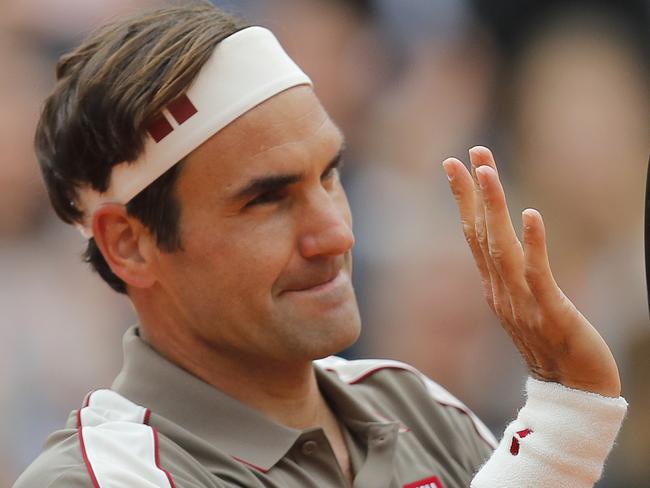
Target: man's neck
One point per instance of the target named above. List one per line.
(286, 392)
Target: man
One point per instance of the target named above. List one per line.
(194, 155)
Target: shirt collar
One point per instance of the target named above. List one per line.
(230, 426)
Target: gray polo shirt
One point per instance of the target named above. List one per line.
(159, 426)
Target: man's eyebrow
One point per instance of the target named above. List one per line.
(265, 184)
(276, 182)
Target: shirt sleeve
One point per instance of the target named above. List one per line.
(561, 437)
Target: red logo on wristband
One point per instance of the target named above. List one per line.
(514, 446)
(432, 482)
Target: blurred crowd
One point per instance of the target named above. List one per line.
(559, 90)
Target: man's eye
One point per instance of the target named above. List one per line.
(266, 198)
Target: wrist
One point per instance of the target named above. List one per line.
(607, 387)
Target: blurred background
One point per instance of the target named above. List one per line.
(559, 90)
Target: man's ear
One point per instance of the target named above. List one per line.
(126, 245)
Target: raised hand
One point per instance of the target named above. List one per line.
(554, 338)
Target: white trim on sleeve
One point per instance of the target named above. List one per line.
(119, 448)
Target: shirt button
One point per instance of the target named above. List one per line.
(309, 447)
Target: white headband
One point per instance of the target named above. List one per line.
(246, 69)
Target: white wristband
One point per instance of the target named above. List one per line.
(560, 438)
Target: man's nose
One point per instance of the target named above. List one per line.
(328, 228)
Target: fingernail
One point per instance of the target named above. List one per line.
(448, 172)
(474, 156)
(528, 217)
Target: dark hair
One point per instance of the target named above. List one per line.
(108, 90)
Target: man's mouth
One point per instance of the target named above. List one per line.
(317, 282)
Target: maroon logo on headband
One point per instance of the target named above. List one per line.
(181, 109)
(159, 128)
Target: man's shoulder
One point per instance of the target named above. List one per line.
(60, 464)
(68, 477)
(388, 374)
(405, 390)
(108, 437)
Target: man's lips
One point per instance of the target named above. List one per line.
(317, 283)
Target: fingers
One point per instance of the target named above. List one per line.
(509, 272)
(504, 248)
(499, 304)
(481, 157)
(537, 272)
(463, 188)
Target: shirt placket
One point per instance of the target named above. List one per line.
(378, 468)
(314, 453)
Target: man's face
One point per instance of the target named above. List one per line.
(266, 234)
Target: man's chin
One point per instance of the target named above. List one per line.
(338, 347)
(336, 337)
(314, 332)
